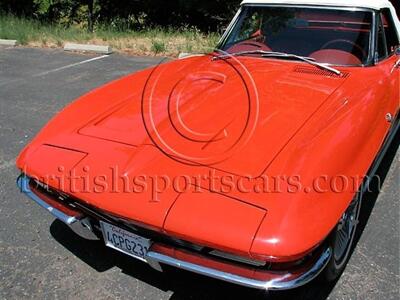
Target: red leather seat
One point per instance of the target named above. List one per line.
(248, 46)
(337, 57)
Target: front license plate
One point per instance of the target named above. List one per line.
(125, 241)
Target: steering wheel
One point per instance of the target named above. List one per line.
(248, 45)
(329, 44)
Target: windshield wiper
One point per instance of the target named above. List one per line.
(240, 53)
(263, 53)
(309, 60)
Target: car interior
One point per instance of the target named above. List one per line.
(327, 37)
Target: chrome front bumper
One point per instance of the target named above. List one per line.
(282, 280)
(24, 186)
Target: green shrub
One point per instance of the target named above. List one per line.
(158, 47)
(160, 41)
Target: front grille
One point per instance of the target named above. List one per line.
(96, 215)
(159, 237)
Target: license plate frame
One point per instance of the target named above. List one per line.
(125, 241)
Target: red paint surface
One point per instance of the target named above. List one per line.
(306, 125)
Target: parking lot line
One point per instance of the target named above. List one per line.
(7, 164)
(70, 66)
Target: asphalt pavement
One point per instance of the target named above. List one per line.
(42, 258)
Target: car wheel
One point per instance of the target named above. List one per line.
(341, 241)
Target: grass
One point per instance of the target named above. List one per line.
(154, 41)
(158, 47)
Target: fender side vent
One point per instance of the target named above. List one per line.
(319, 72)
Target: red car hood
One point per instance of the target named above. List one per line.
(232, 116)
(182, 118)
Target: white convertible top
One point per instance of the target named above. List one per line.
(374, 4)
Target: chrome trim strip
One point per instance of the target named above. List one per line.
(281, 283)
(316, 6)
(229, 29)
(23, 184)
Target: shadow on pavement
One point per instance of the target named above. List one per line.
(186, 285)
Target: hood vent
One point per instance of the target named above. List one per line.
(318, 72)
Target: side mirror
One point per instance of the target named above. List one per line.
(398, 51)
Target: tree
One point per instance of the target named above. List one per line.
(206, 15)
(19, 8)
(68, 10)
(90, 15)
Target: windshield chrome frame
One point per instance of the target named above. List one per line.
(371, 54)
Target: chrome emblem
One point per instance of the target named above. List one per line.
(389, 117)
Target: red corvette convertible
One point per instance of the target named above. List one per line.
(247, 164)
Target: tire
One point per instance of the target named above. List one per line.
(341, 241)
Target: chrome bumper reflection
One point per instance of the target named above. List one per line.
(283, 282)
(23, 184)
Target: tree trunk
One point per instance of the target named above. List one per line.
(90, 15)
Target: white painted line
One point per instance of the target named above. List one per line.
(12, 43)
(7, 164)
(88, 48)
(71, 65)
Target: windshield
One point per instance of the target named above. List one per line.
(333, 36)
